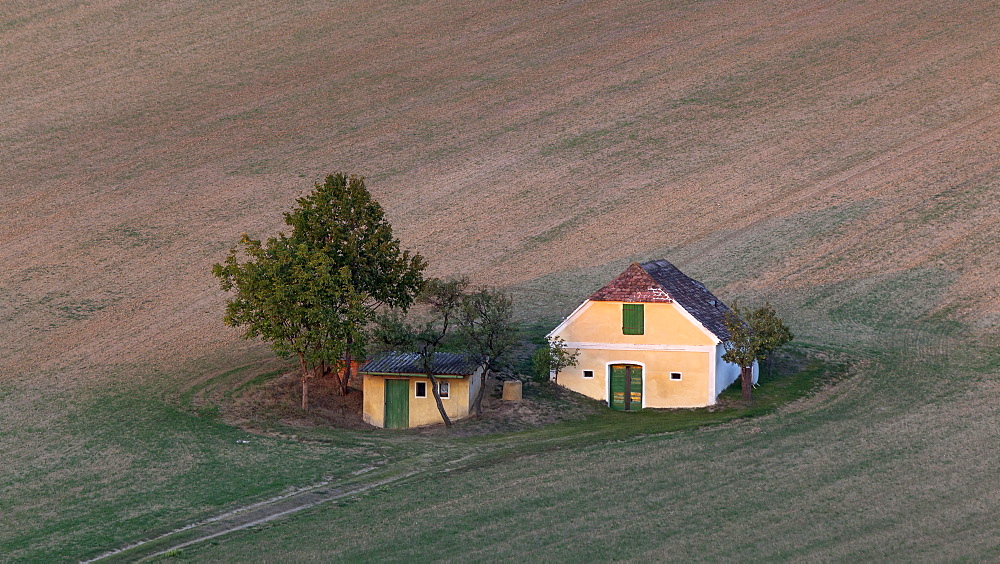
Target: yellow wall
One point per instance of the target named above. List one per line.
(665, 325)
(423, 411)
(373, 391)
(601, 322)
(658, 389)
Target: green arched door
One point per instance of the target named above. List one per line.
(626, 387)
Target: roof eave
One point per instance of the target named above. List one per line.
(413, 374)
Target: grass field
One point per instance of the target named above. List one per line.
(820, 483)
(168, 462)
(837, 159)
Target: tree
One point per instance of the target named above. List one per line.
(340, 219)
(443, 301)
(553, 358)
(753, 336)
(488, 332)
(314, 292)
(541, 361)
(294, 299)
(772, 332)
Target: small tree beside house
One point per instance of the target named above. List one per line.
(753, 336)
(488, 333)
(443, 301)
(552, 358)
(479, 325)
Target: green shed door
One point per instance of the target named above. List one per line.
(626, 387)
(397, 404)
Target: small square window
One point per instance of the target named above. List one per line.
(444, 389)
(675, 375)
(420, 390)
(588, 373)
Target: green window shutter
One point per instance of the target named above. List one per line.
(633, 322)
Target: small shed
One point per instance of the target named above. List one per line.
(397, 393)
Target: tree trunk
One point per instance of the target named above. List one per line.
(482, 392)
(746, 375)
(305, 386)
(346, 382)
(437, 399)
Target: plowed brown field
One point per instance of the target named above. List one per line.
(840, 159)
(508, 140)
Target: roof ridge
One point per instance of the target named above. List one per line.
(635, 284)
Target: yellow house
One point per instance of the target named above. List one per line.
(652, 337)
(397, 393)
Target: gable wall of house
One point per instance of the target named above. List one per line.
(658, 389)
(665, 324)
(423, 411)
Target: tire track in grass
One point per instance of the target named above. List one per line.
(307, 497)
(422, 466)
(275, 508)
(249, 516)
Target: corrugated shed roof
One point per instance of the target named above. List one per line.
(670, 284)
(409, 363)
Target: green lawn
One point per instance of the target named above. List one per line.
(124, 465)
(834, 477)
(890, 457)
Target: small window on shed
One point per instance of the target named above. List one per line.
(444, 388)
(632, 319)
(588, 373)
(420, 390)
(675, 375)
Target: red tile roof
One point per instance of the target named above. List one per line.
(660, 281)
(633, 285)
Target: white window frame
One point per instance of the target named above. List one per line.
(591, 374)
(416, 385)
(679, 377)
(448, 386)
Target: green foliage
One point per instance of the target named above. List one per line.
(553, 357)
(753, 335)
(771, 332)
(540, 364)
(314, 292)
(488, 333)
(291, 297)
(341, 220)
(391, 332)
(488, 330)
(431, 329)
(479, 324)
(443, 299)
